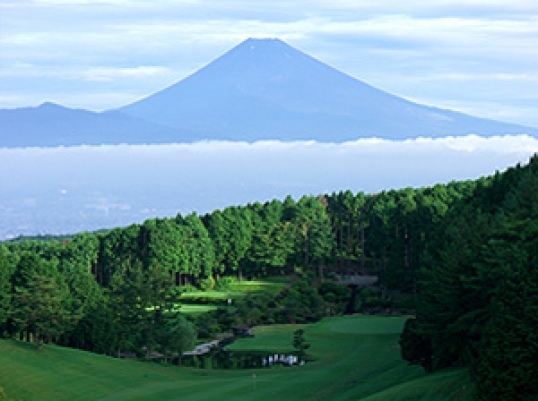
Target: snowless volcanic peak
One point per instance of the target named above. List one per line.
(266, 89)
(260, 89)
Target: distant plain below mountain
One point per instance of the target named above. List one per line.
(262, 89)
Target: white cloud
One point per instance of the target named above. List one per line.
(521, 144)
(506, 144)
(475, 76)
(109, 74)
(107, 186)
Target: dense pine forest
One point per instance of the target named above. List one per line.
(459, 257)
(478, 289)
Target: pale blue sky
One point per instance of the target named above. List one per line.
(475, 56)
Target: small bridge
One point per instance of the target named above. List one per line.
(358, 280)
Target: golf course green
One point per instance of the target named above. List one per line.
(353, 358)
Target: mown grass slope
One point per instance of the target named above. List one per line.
(238, 289)
(356, 357)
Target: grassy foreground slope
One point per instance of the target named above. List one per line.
(357, 357)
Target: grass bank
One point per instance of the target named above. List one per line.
(356, 357)
(234, 290)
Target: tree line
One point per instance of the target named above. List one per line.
(477, 301)
(75, 289)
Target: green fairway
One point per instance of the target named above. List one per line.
(267, 286)
(214, 295)
(276, 338)
(365, 325)
(196, 309)
(355, 357)
(239, 289)
(449, 385)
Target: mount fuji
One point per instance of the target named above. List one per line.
(266, 89)
(262, 89)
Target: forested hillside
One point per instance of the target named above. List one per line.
(462, 253)
(93, 289)
(478, 289)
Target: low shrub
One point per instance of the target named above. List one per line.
(207, 284)
(224, 283)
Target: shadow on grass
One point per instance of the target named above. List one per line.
(29, 347)
(23, 345)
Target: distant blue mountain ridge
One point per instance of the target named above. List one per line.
(53, 125)
(261, 89)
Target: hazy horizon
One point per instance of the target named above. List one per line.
(65, 190)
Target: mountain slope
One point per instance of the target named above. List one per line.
(266, 89)
(260, 89)
(53, 125)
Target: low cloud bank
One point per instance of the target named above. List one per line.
(70, 189)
